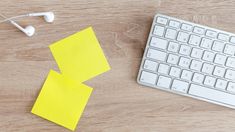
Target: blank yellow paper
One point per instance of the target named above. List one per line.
(62, 100)
(63, 97)
(80, 56)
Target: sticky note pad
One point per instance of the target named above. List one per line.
(80, 56)
(62, 100)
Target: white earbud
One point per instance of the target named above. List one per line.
(28, 30)
(48, 16)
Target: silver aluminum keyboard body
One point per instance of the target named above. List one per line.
(191, 60)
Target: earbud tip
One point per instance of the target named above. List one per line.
(29, 30)
(49, 17)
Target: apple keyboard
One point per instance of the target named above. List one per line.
(191, 60)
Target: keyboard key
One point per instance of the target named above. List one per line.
(175, 72)
(207, 68)
(230, 62)
(162, 20)
(230, 74)
(208, 56)
(211, 33)
(211, 94)
(180, 86)
(158, 43)
(231, 87)
(187, 75)
(221, 84)
(206, 43)
(183, 37)
(194, 40)
(220, 59)
(172, 59)
(229, 49)
(164, 82)
(158, 30)
(196, 65)
(185, 50)
(219, 71)
(232, 39)
(196, 53)
(184, 62)
(186, 27)
(198, 78)
(148, 77)
(174, 24)
(170, 33)
(218, 46)
(163, 68)
(156, 54)
(198, 30)
(223, 37)
(210, 81)
(173, 47)
(150, 65)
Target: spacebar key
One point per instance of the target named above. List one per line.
(212, 94)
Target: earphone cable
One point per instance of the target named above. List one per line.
(11, 18)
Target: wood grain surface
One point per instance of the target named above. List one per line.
(118, 103)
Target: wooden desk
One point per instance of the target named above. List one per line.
(118, 103)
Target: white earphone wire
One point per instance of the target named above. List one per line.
(11, 18)
(3, 16)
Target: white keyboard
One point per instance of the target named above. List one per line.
(190, 59)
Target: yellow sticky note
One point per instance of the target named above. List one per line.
(62, 100)
(80, 56)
